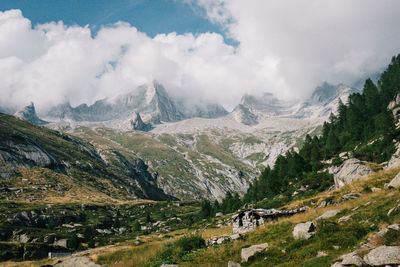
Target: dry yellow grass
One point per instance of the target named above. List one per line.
(210, 233)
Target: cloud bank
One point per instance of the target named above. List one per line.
(284, 47)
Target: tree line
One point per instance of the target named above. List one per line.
(364, 127)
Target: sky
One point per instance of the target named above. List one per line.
(214, 50)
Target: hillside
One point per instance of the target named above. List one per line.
(38, 164)
(363, 210)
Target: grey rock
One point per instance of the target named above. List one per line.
(246, 253)
(322, 204)
(138, 124)
(344, 218)
(151, 99)
(61, 243)
(337, 264)
(375, 189)
(394, 210)
(322, 254)
(28, 113)
(77, 262)
(395, 182)
(233, 264)
(350, 171)
(236, 236)
(222, 239)
(350, 196)
(383, 255)
(352, 259)
(304, 230)
(219, 214)
(22, 238)
(328, 214)
(243, 115)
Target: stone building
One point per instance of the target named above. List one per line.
(250, 219)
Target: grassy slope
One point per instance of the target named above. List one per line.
(369, 214)
(173, 157)
(85, 178)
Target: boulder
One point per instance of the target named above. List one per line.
(77, 262)
(395, 183)
(222, 239)
(337, 264)
(383, 255)
(344, 218)
(394, 161)
(321, 254)
(304, 230)
(352, 259)
(219, 214)
(235, 236)
(246, 253)
(322, 204)
(328, 214)
(375, 189)
(350, 171)
(233, 264)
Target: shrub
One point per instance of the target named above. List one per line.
(189, 243)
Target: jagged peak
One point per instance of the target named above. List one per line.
(28, 113)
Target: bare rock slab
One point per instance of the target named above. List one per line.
(328, 214)
(383, 255)
(350, 171)
(77, 262)
(352, 259)
(395, 182)
(304, 230)
(233, 264)
(246, 253)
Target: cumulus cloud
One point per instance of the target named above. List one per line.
(310, 40)
(284, 47)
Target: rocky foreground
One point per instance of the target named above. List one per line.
(355, 225)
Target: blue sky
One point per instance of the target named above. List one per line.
(149, 16)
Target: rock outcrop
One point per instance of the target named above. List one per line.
(138, 124)
(383, 255)
(243, 115)
(233, 264)
(78, 262)
(304, 230)
(352, 259)
(28, 113)
(350, 171)
(328, 214)
(395, 182)
(246, 253)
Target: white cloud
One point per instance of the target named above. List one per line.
(312, 40)
(285, 47)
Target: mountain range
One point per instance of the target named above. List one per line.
(155, 106)
(194, 151)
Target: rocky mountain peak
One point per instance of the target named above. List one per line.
(138, 124)
(28, 113)
(326, 93)
(242, 114)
